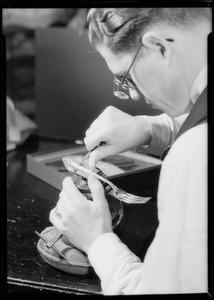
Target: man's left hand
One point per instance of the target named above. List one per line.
(80, 220)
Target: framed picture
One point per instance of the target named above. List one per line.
(129, 169)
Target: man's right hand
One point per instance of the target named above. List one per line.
(120, 132)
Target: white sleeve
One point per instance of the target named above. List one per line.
(176, 261)
(164, 130)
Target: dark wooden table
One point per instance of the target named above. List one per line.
(29, 201)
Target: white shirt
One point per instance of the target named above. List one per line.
(176, 261)
(164, 129)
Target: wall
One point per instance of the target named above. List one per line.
(73, 84)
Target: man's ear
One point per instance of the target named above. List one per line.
(157, 43)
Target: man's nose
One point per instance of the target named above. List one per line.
(135, 94)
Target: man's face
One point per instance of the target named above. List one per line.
(161, 81)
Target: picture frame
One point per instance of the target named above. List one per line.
(137, 170)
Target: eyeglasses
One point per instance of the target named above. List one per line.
(122, 83)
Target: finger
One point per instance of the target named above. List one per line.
(97, 192)
(93, 127)
(68, 203)
(90, 130)
(70, 188)
(55, 219)
(60, 209)
(59, 204)
(94, 139)
(100, 153)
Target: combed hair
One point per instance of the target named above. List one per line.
(120, 28)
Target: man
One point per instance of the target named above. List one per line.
(160, 53)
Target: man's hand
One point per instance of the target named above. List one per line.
(80, 220)
(120, 132)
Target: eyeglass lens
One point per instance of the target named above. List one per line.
(118, 93)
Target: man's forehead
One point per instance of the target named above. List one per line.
(118, 64)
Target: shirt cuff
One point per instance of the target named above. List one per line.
(103, 249)
(160, 135)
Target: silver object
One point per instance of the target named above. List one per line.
(84, 159)
(54, 240)
(119, 193)
(51, 244)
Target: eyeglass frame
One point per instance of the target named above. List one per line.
(126, 86)
(121, 84)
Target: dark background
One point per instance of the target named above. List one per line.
(73, 84)
(54, 76)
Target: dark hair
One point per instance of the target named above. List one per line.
(120, 28)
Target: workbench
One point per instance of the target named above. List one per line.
(29, 201)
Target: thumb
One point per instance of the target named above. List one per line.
(100, 153)
(97, 191)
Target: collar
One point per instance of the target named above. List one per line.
(199, 85)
